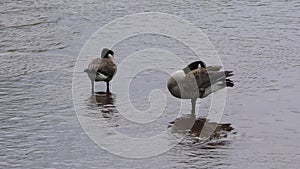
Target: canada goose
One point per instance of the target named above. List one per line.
(102, 69)
(194, 82)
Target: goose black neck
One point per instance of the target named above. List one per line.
(194, 65)
(105, 53)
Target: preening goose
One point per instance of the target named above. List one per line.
(194, 82)
(102, 69)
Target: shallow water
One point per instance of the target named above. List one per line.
(40, 42)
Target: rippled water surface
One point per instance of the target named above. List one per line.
(41, 40)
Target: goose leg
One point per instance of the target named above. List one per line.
(193, 106)
(92, 82)
(107, 87)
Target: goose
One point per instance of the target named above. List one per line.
(195, 82)
(102, 69)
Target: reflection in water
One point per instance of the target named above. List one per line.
(105, 101)
(195, 126)
(188, 152)
(193, 151)
(209, 136)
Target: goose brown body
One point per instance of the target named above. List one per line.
(102, 69)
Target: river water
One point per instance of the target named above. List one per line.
(41, 41)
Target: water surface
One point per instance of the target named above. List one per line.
(40, 42)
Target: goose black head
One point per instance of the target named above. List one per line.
(193, 66)
(106, 53)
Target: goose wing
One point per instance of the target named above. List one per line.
(95, 65)
(196, 79)
(103, 65)
(201, 78)
(213, 68)
(102, 68)
(107, 67)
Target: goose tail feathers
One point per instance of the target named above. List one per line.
(228, 73)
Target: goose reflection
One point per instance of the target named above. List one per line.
(105, 101)
(200, 127)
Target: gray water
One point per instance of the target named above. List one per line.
(40, 43)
